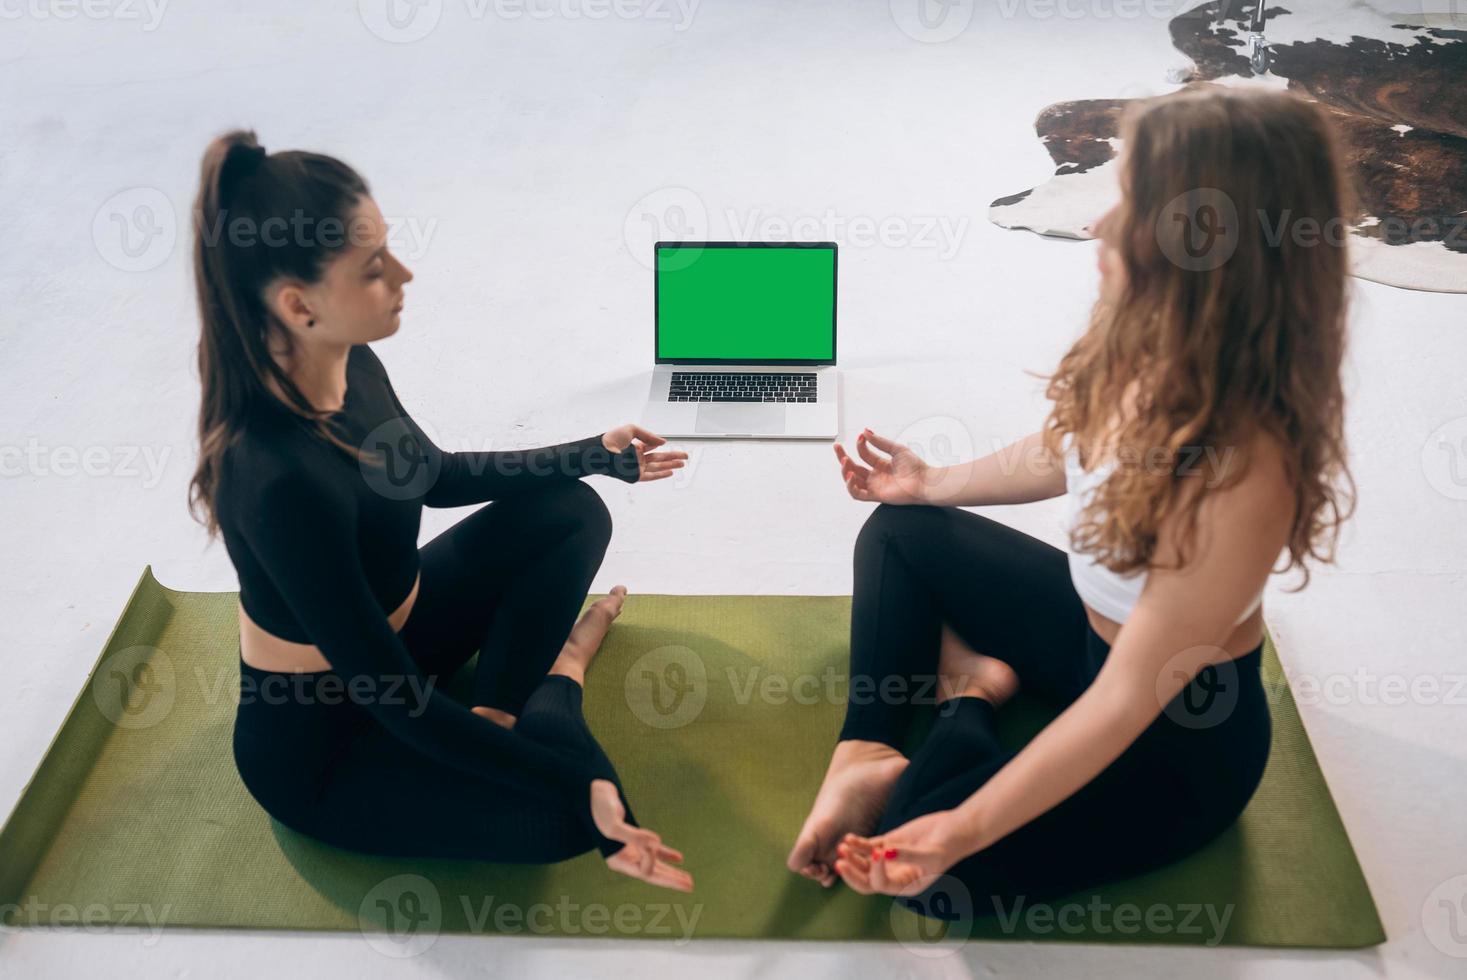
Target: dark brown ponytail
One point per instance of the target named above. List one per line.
(243, 190)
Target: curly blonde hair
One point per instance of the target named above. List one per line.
(1209, 349)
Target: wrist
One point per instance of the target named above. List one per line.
(589, 457)
(926, 481)
(607, 846)
(619, 463)
(587, 815)
(961, 835)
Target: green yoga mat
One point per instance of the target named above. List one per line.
(720, 712)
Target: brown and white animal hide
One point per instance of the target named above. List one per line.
(1395, 85)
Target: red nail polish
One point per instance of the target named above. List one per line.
(891, 853)
(875, 854)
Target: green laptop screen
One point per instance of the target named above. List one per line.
(745, 303)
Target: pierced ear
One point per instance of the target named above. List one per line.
(288, 302)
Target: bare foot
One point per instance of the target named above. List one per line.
(586, 636)
(963, 671)
(851, 800)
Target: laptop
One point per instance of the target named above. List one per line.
(744, 341)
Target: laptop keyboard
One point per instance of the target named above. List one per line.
(710, 386)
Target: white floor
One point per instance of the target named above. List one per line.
(525, 162)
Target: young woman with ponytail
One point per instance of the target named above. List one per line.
(315, 476)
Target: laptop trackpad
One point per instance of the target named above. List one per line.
(740, 417)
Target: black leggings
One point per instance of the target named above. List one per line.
(1009, 596)
(511, 578)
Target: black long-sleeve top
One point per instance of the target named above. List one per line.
(326, 547)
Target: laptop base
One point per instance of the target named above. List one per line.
(818, 419)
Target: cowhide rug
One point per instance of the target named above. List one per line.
(1395, 84)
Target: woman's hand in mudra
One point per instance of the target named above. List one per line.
(895, 474)
(645, 856)
(653, 466)
(906, 860)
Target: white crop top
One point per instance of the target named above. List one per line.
(1107, 592)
